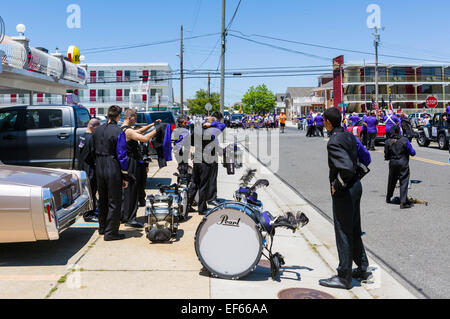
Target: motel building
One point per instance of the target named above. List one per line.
(409, 86)
(140, 86)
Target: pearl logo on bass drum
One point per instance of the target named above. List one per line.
(226, 222)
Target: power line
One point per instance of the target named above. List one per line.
(234, 16)
(134, 46)
(282, 48)
(338, 49)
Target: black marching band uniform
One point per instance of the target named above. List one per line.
(111, 167)
(205, 170)
(343, 163)
(397, 151)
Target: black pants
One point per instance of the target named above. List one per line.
(398, 171)
(93, 188)
(310, 131)
(109, 183)
(130, 194)
(142, 182)
(371, 140)
(364, 138)
(347, 226)
(204, 181)
(319, 130)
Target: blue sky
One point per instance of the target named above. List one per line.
(413, 28)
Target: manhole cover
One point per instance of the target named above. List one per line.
(303, 293)
(264, 263)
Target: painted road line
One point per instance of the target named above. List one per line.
(425, 160)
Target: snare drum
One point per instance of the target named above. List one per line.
(228, 241)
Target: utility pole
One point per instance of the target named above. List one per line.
(209, 86)
(376, 43)
(222, 71)
(181, 74)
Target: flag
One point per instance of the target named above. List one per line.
(375, 106)
(391, 107)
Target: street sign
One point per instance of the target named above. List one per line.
(431, 102)
(208, 107)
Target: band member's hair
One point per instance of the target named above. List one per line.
(114, 111)
(334, 116)
(93, 123)
(218, 116)
(181, 120)
(129, 113)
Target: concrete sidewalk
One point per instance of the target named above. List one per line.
(135, 268)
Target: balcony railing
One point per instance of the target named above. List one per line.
(399, 78)
(395, 97)
(134, 99)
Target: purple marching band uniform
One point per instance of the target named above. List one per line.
(447, 109)
(355, 119)
(390, 121)
(372, 123)
(319, 124)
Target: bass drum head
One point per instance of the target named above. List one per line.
(228, 243)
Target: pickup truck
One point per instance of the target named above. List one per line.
(438, 131)
(43, 136)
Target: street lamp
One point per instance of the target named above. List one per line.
(21, 28)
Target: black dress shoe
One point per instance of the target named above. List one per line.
(101, 232)
(388, 200)
(361, 274)
(336, 282)
(214, 203)
(114, 237)
(405, 206)
(134, 224)
(142, 203)
(90, 219)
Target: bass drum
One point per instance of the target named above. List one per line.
(228, 241)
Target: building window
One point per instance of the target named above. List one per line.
(101, 76)
(431, 74)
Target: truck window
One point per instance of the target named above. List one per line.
(42, 119)
(8, 121)
(83, 117)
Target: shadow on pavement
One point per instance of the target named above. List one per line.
(46, 253)
(262, 273)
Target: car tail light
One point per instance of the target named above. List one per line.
(173, 127)
(49, 212)
(50, 217)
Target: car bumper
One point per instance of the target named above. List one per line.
(67, 216)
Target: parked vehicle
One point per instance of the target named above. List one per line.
(145, 118)
(43, 136)
(357, 130)
(438, 131)
(417, 119)
(39, 203)
(236, 120)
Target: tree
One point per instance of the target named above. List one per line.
(259, 100)
(197, 105)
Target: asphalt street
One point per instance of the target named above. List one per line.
(414, 243)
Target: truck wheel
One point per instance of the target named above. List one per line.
(442, 142)
(423, 141)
